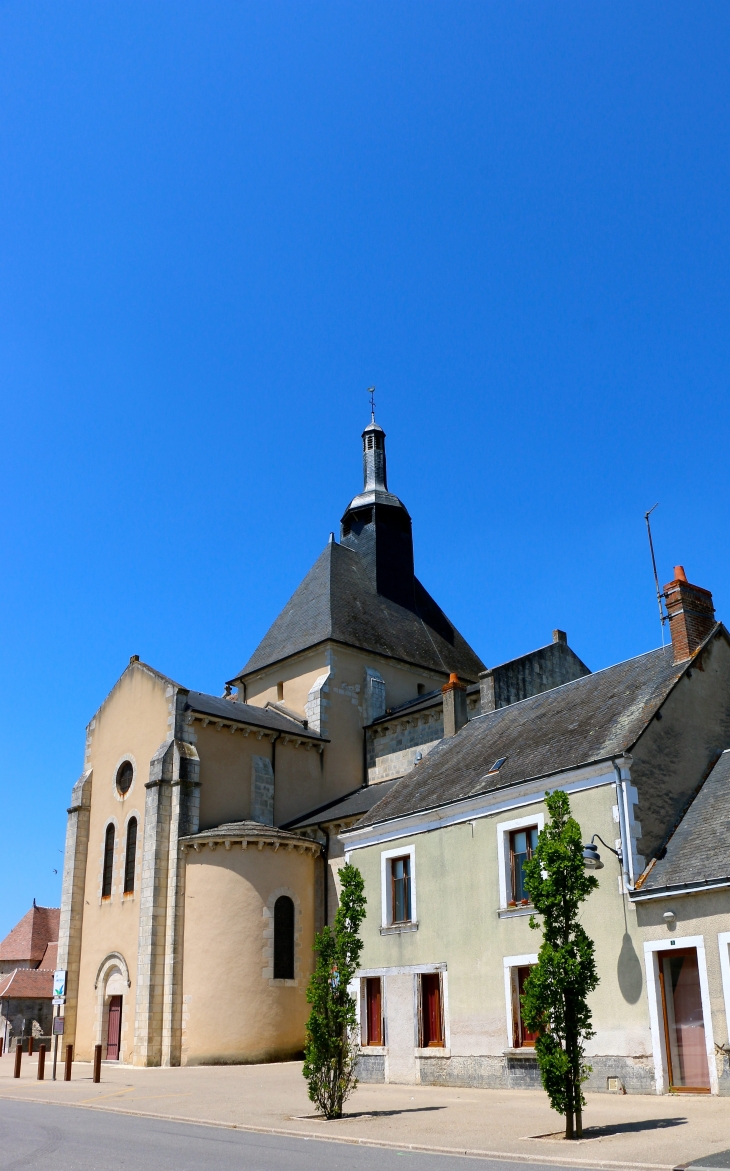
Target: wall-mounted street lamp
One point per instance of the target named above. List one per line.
(591, 857)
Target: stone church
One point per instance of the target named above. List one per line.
(203, 844)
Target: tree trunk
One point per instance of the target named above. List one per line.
(578, 1118)
(569, 1105)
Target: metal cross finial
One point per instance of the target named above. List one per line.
(371, 392)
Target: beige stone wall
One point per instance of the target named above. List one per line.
(233, 1009)
(131, 724)
(344, 706)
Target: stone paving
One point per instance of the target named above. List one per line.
(621, 1131)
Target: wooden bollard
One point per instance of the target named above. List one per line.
(18, 1056)
(69, 1063)
(97, 1063)
(2, 1042)
(41, 1063)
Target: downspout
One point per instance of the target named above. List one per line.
(622, 766)
(326, 856)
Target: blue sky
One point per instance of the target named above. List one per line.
(221, 221)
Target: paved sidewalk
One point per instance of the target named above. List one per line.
(654, 1132)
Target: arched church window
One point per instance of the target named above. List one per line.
(125, 776)
(106, 882)
(130, 856)
(283, 938)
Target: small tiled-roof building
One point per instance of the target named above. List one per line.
(27, 963)
(26, 945)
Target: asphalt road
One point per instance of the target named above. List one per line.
(60, 1138)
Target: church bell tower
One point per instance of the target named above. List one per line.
(377, 526)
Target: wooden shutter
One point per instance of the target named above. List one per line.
(374, 1011)
(431, 1014)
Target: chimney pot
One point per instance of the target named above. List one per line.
(691, 614)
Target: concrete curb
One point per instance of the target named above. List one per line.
(421, 1148)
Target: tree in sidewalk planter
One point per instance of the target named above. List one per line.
(330, 1051)
(555, 998)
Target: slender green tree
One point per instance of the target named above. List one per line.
(555, 999)
(330, 1052)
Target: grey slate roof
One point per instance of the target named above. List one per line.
(337, 601)
(345, 807)
(245, 713)
(590, 719)
(699, 849)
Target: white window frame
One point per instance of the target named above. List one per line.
(654, 997)
(386, 898)
(511, 962)
(504, 829)
(723, 942)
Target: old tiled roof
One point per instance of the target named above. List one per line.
(337, 601)
(26, 984)
(699, 849)
(28, 939)
(245, 713)
(587, 720)
(345, 807)
(49, 962)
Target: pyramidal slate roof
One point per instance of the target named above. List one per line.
(699, 849)
(592, 718)
(338, 601)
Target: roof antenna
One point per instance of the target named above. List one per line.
(371, 392)
(659, 594)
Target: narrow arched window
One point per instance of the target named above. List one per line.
(106, 882)
(283, 938)
(130, 856)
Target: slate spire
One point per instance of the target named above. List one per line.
(374, 471)
(377, 526)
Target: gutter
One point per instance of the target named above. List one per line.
(681, 888)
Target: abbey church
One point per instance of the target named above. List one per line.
(203, 838)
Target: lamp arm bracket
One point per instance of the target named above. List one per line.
(616, 852)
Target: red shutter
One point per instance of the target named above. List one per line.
(431, 1009)
(374, 1011)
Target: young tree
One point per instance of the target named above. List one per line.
(330, 1051)
(555, 999)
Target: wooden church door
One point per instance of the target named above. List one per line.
(114, 1028)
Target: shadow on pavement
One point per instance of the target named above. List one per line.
(620, 1128)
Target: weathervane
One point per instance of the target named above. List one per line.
(371, 392)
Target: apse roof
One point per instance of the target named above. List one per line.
(338, 601)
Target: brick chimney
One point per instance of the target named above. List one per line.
(454, 693)
(691, 614)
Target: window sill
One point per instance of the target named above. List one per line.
(433, 1051)
(525, 1052)
(516, 912)
(399, 928)
(374, 1050)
